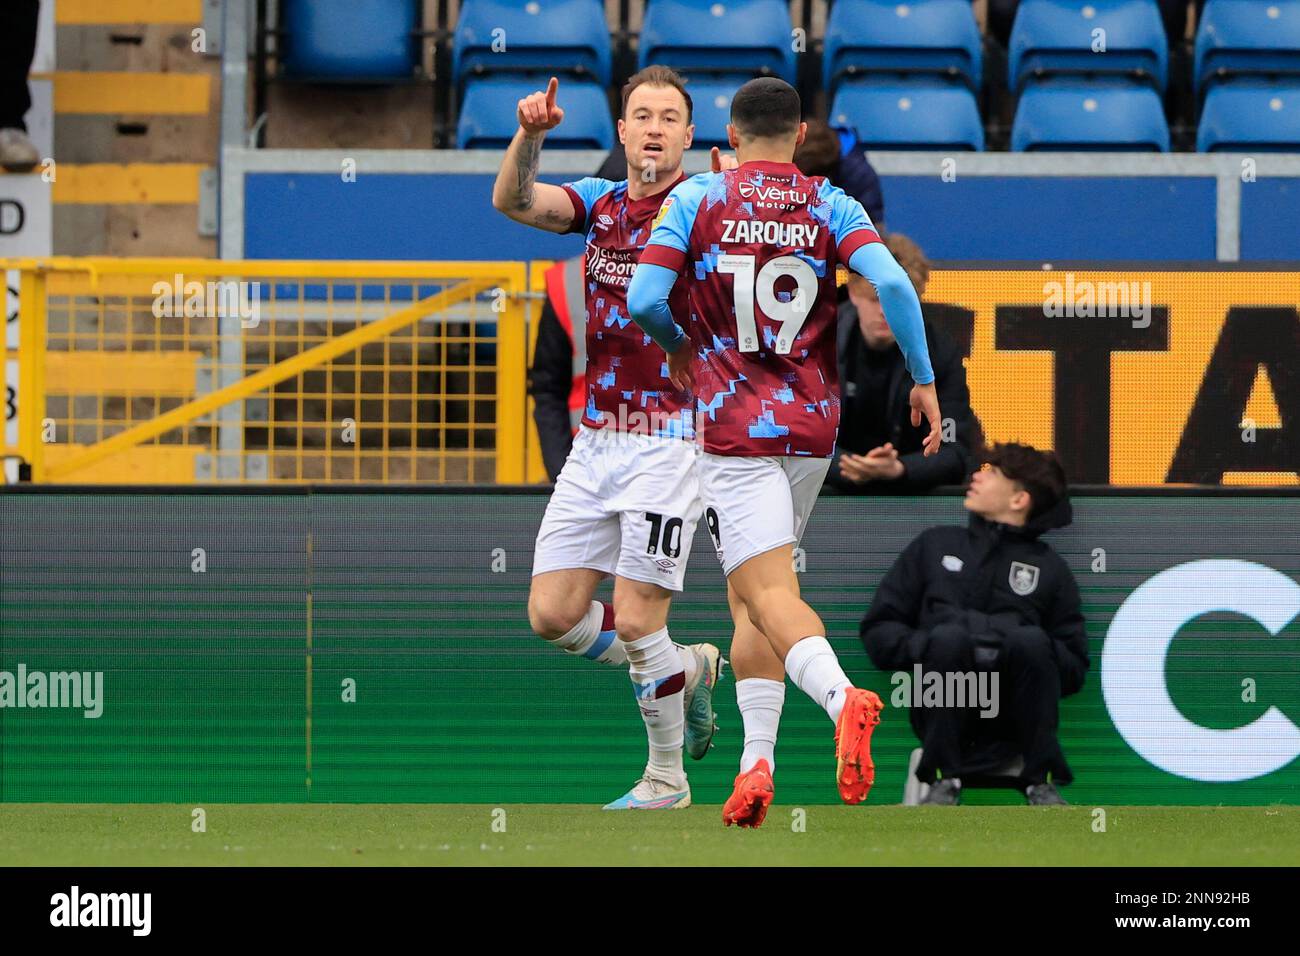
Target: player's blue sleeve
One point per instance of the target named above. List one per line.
(859, 245)
(662, 261)
(846, 219)
(901, 306)
(583, 194)
(647, 303)
(676, 218)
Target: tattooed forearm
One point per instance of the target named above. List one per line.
(551, 218)
(526, 163)
(519, 195)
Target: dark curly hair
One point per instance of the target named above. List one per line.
(1038, 472)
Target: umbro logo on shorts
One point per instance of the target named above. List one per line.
(665, 565)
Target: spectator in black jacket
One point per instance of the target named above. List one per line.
(878, 448)
(991, 597)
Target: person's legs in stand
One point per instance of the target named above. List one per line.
(18, 21)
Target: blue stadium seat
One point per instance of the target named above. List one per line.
(560, 36)
(1109, 114)
(711, 106)
(736, 37)
(921, 36)
(1251, 114)
(1250, 37)
(915, 113)
(1060, 36)
(348, 41)
(488, 120)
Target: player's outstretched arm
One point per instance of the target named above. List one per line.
(902, 311)
(900, 304)
(517, 192)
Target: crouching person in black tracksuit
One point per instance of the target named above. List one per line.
(989, 597)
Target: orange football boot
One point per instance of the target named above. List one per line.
(748, 803)
(854, 770)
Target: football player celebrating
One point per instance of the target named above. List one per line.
(759, 247)
(627, 500)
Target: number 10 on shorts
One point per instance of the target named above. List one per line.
(665, 536)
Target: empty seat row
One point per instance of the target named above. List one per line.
(505, 50)
(487, 117)
(1063, 113)
(1071, 113)
(1067, 113)
(1087, 73)
(738, 37)
(341, 39)
(1237, 38)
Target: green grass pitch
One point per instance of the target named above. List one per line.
(462, 834)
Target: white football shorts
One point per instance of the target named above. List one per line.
(752, 505)
(624, 504)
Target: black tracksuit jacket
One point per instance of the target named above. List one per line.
(919, 592)
(951, 464)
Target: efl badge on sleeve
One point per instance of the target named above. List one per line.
(1023, 578)
(663, 211)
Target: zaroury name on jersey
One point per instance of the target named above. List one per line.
(772, 232)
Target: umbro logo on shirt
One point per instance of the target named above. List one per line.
(603, 221)
(952, 562)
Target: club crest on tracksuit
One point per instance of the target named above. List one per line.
(1023, 578)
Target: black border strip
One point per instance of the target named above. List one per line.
(370, 488)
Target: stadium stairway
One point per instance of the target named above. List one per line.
(136, 107)
(136, 113)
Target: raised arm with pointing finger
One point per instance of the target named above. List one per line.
(517, 192)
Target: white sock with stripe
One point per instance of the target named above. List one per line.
(593, 637)
(815, 669)
(655, 666)
(760, 701)
(690, 664)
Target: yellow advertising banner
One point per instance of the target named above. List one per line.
(1134, 377)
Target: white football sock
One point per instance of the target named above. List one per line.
(593, 637)
(815, 669)
(690, 663)
(760, 701)
(655, 667)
